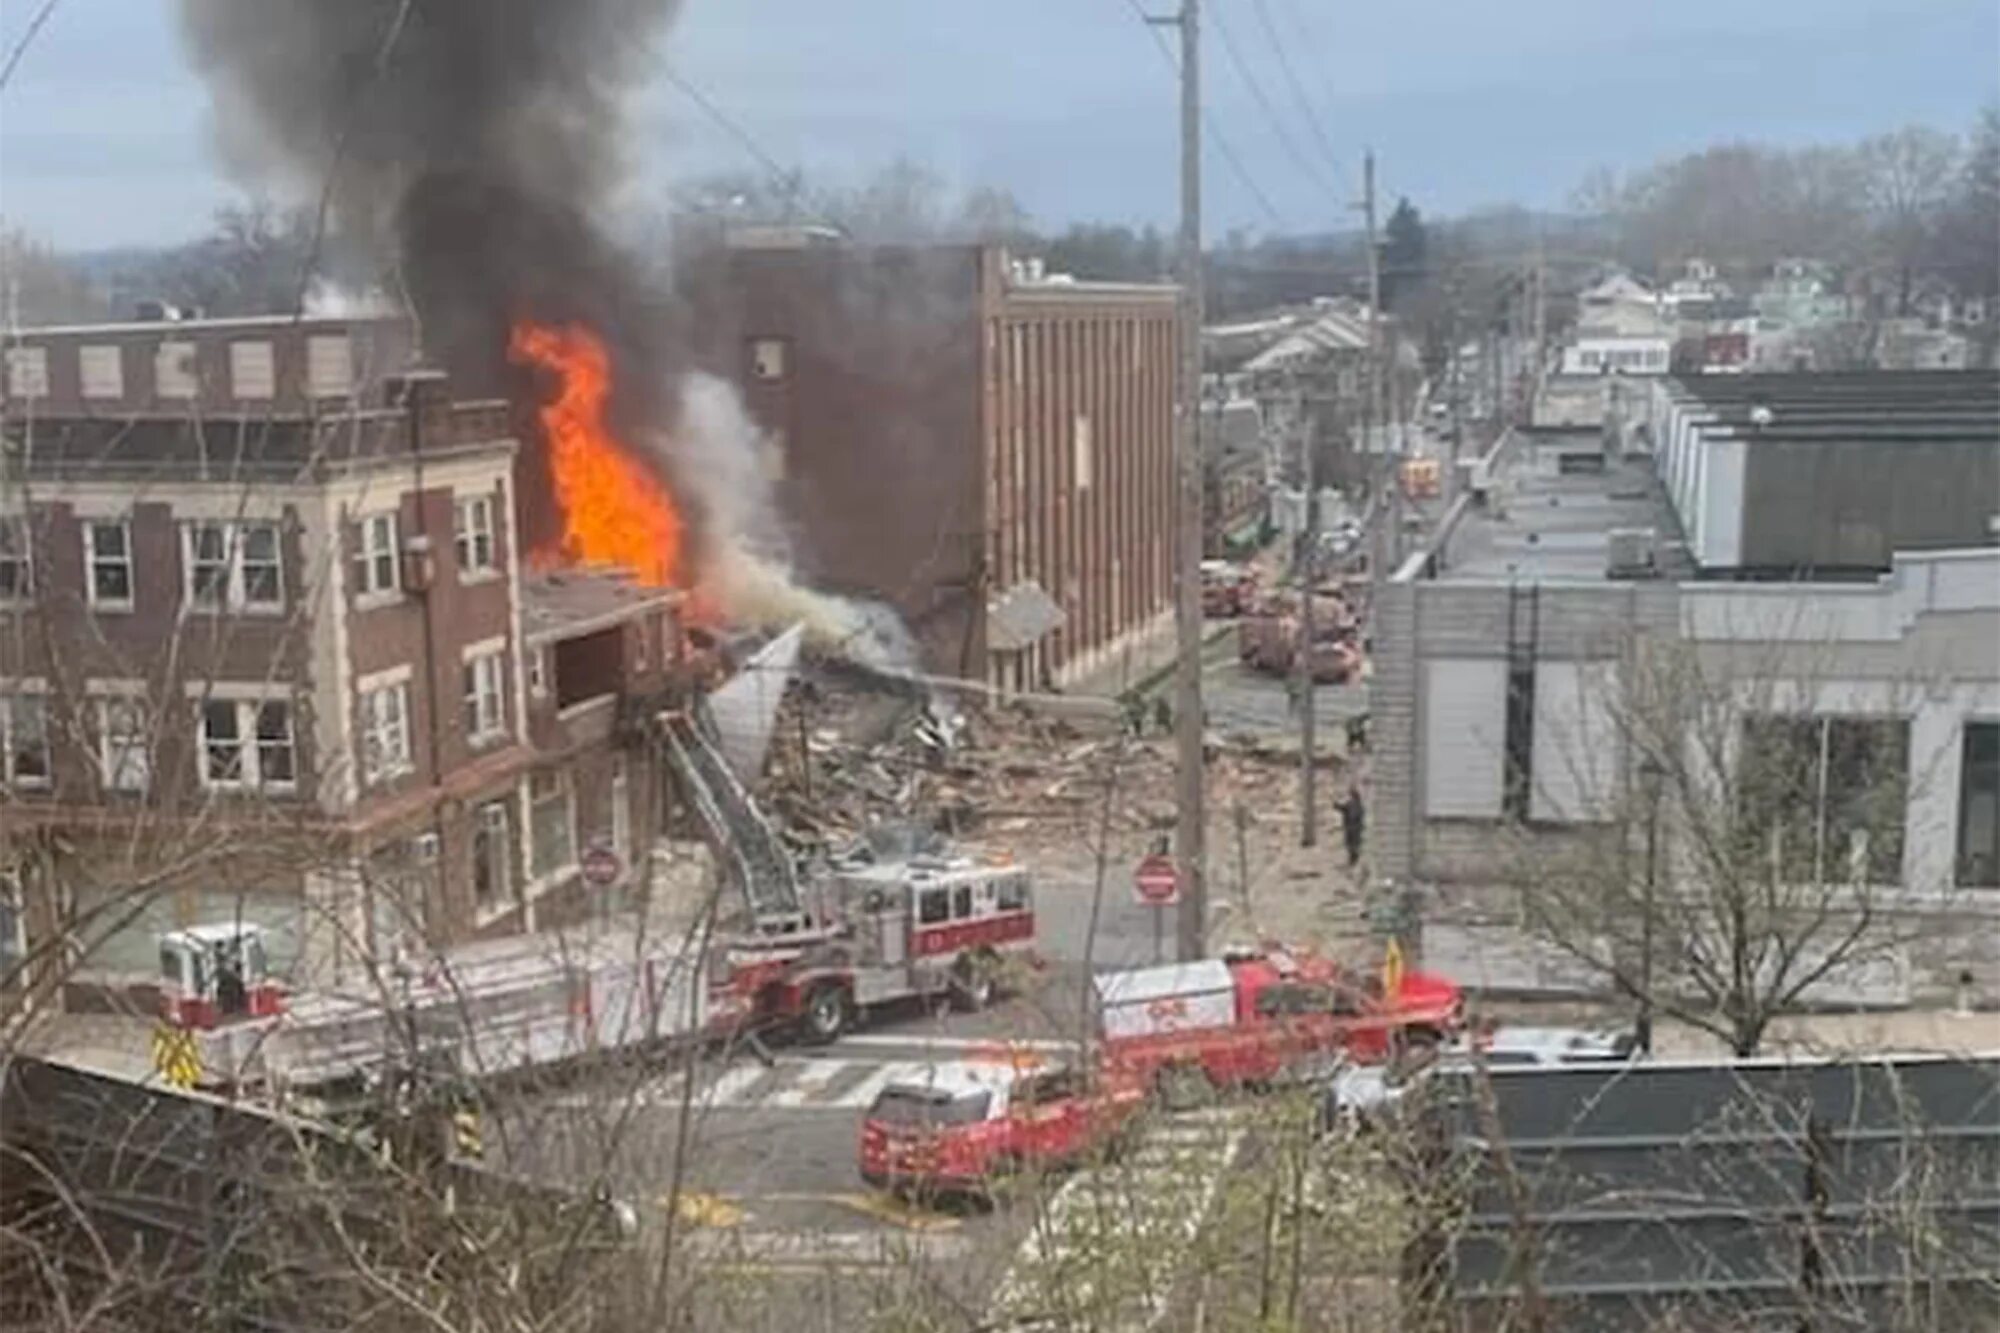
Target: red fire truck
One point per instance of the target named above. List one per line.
(216, 972)
(1254, 1016)
(970, 1124)
(931, 927)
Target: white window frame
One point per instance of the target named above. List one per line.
(250, 769)
(11, 696)
(1083, 447)
(100, 371)
(377, 578)
(253, 370)
(176, 373)
(124, 757)
(27, 372)
(484, 705)
(235, 580)
(473, 538)
(538, 670)
(557, 784)
(329, 365)
(385, 730)
(93, 556)
(17, 542)
(495, 820)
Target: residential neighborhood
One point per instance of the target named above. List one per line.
(663, 668)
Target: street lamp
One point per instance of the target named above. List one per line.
(1651, 774)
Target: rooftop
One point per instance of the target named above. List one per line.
(1547, 518)
(566, 603)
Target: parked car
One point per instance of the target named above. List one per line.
(1368, 1096)
(969, 1125)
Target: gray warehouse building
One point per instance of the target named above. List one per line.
(1816, 557)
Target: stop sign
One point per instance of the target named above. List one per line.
(1156, 882)
(600, 865)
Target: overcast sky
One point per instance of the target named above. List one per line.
(104, 140)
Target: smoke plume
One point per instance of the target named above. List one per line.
(471, 149)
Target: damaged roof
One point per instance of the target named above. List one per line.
(565, 603)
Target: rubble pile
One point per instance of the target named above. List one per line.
(842, 764)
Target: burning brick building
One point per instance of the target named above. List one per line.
(983, 446)
(269, 650)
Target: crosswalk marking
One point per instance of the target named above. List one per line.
(728, 1089)
(805, 1082)
(864, 1093)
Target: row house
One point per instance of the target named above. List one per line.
(291, 669)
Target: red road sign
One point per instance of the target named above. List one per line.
(600, 865)
(1156, 882)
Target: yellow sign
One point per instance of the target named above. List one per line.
(176, 1056)
(465, 1134)
(705, 1210)
(1392, 969)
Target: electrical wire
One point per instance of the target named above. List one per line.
(27, 36)
(1279, 130)
(1215, 134)
(1312, 118)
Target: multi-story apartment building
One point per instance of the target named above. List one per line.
(292, 667)
(1806, 561)
(984, 446)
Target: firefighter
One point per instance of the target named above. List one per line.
(1352, 816)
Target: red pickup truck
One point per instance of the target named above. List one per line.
(1255, 1016)
(970, 1124)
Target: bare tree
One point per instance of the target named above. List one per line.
(1749, 847)
(1907, 178)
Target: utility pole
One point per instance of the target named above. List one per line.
(1376, 431)
(1306, 566)
(1191, 827)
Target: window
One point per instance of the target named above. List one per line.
(538, 671)
(16, 569)
(385, 732)
(1825, 798)
(767, 359)
(375, 556)
(485, 710)
(621, 808)
(491, 877)
(102, 370)
(107, 549)
(247, 743)
(961, 902)
(329, 366)
(1085, 467)
(474, 534)
(233, 565)
(1979, 807)
(24, 740)
(173, 370)
(27, 372)
(552, 819)
(252, 372)
(933, 907)
(1011, 894)
(122, 756)
(642, 638)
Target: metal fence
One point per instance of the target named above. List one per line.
(144, 1205)
(1749, 1195)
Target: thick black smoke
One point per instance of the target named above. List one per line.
(468, 147)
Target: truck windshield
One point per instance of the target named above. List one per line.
(919, 1106)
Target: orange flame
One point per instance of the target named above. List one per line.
(614, 510)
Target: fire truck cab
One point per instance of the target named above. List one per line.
(930, 926)
(213, 974)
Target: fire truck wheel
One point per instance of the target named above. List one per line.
(826, 1015)
(972, 982)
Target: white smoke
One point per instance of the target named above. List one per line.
(746, 571)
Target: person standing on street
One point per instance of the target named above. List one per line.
(1352, 817)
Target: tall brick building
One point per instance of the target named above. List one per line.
(986, 447)
(286, 664)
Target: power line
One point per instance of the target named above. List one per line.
(780, 175)
(1277, 122)
(1312, 117)
(27, 36)
(1215, 135)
